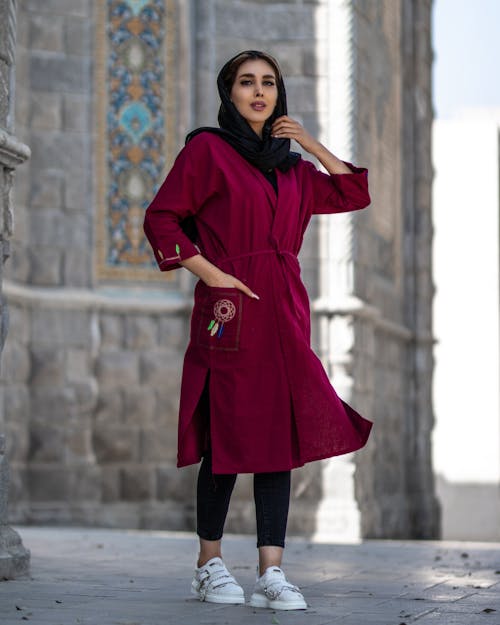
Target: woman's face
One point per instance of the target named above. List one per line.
(254, 92)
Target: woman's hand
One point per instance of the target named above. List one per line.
(226, 280)
(212, 276)
(287, 128)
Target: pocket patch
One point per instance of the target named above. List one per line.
(220, 319)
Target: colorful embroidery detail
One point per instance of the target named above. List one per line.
(170, 258)
(224, 311)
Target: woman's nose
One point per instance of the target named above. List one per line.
(259, 90)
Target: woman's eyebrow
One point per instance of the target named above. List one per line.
(253, 76)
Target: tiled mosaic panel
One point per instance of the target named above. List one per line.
(135, 125)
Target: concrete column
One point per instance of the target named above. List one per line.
(14, 558)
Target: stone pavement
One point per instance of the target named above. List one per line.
(113, 577)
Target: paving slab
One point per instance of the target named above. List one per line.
(117, 577)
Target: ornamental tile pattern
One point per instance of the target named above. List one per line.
(135, 42)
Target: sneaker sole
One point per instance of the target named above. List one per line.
(209, 598)
(260, 601)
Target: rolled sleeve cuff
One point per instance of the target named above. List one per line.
(169, 256)
(354, 169)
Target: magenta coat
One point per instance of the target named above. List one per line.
(272, 407)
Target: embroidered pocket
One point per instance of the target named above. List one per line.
(219, 326)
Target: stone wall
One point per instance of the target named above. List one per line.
(393, 347)
(92, 367)
(14, 558)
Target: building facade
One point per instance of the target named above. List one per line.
(105, 94)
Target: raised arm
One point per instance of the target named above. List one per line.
(345, 189)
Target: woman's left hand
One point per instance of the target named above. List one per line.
(287, 128)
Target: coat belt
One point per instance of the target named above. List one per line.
(278, 252)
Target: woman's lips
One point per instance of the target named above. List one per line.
(258, 106)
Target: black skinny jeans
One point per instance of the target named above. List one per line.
(272, 498)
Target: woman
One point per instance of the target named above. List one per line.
(254, 398)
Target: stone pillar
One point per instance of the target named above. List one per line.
(338, 516)
(375, 295)
(14, 558)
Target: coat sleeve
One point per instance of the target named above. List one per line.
(188, 185)
(338, 193)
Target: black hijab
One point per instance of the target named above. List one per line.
(266, 153)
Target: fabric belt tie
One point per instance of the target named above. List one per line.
(282, 255)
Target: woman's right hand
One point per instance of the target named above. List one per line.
(212, 276)
(226, 280)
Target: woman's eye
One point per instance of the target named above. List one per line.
(269, 83)
(245, 83)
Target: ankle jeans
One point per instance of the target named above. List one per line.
(271, 494)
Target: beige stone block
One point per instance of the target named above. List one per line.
(59, 73)
(19, 323)
(45, 265)
(48, 365)
(111, 329)
(161, 368)
(45, 111)
(76, 267)
(110, 484)
(78, 444)
(241, 518)
(18, 492)
(174, 516)
(243, 489)
(139, 406)
(78, 36)
(86, 483)
(46, 32)
(86, 394)
(79, 8)
(115, 444)
(141, 332)
(15, 366)
(281, 22)
(167, 406)
(16, 403)
(46, 443)
(78, 363)
(301, 92)
(109, 409)
(66, 152)
(174, 331)
(117, 368)
(55, 404)
(137, 483)
(176, 484)
(17, 441)
(158, 445)
(49, 483)
(76, 114)
(70, 328)
(46, 189)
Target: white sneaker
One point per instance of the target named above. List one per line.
(272, 590)
(214, 583)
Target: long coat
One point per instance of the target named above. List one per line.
(271, 404)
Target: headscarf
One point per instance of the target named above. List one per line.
(266, 153)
